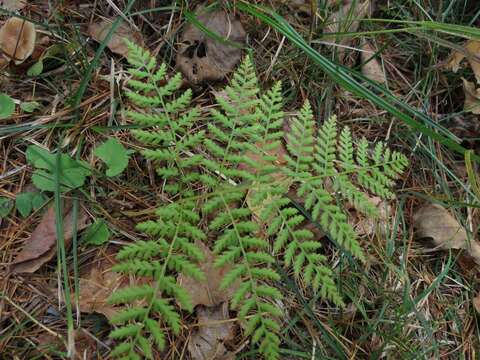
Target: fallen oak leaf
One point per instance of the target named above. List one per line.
(96, 285)
(41, 246)
(208, 292)
(435, 222)
(99, 30)
(207, 343)
(17, 39)
(202, 58)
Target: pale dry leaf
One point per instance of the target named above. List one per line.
(17, 39)
(97, 284)
(41, 246)
(12, 5)
(202, 58)
(371, 67)
(99, 30)
(434, 222)
(208, 292)
(472, 97)
(346, 19)
(207, 343)
(472, 52)
(365, 225)
(476, 302)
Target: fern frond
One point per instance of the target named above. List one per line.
(232, 169)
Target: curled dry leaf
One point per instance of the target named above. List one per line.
(371, 67)
(472, 97)
(472, 52)
(208, 292)
(99, 30)
(17, 39)
(435, 222)
(202, 58)
(12, 5)
(207, 343)
(41, 247)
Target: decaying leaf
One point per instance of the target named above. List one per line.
(17, 39)
(476, 302)
(367, 225)
(12, 5)
(99, 30)
(371, 67)
(207, 343)
(208, 292)
(41, 247)
(202, 58)
(472, 52)
(98, 283)
(85, 346)
(346, 19)
(472, 97)
(435, 222)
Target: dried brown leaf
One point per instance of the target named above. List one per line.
(346, 19)
(41, 246)
(369, 225)
(85, 346)
(472, 97)
(371, 67)
(434, 222)
(476, 302)
(17, 39)
(472, 52)
(12, 5)
(99, 30)
(98, 283)
(207, 343)
(202, 58)
(208, 292)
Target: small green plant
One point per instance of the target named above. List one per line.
(72, 172)
(207, 174)
(114, 155)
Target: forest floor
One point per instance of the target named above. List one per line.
(409, 300)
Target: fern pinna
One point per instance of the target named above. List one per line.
(215, 178)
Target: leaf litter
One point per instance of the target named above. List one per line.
(201, 57)
(99, 30)
(40, 247)
(433, 221)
